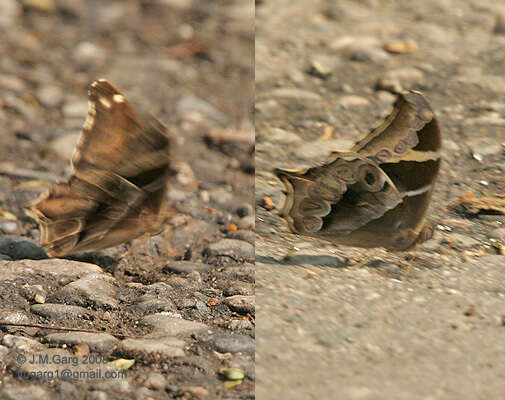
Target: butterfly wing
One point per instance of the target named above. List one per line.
(121, 165)
(377, 194)
(338, 200)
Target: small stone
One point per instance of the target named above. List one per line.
(244, 210)
(64, 145)
(319, 70)
(247, 236)
(195, 109)
(155, 381)
(316, 151)
(166, 347)
(221, 196)
(230, 343)
(201, 306)
(97, 342)
(371, 55)
(39, 298)
(97, 289)
(19, 249)
(401, 46)
(246, 223)
(267, 203)
(50, 95)
(165, 325)
(196, 392)
(240, 324)
(236, 250)
(281, 136)
(298, 94)
(77, 109)
(351, 101)
(395, 80)
(185, 267)
(238, 287)
(89, 53)
(57, 311)
(9, 227)
(241, 304)
(387, 97)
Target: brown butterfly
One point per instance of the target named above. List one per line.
(121, 166)
(377, 194)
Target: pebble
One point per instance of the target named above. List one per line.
(89, 53)
(319, 70)
(64, 145)
(296, 94)
(19, 249)
(195, 109)
(238, 287)
(34, 293)
(246, 223)
(201, 306)
(221, 196)
(230, 248)
(196, 392)
(240, 324)
(351, 101)
(21, 343)
(165, 325)
(184, 267)
(149, 304)
(244, 210)
(50, 96)
(155, 381)
(368, 54)
(397, 79)
(281, 136)
(9, 227)
(241, 304)
(97, 289)
(353, 43)
(10, 82)
(97, 342)
(230, 343)
(319, 150)
(247, 236)
(57, 311)
(76, 109)
(166, 347)
(484, 146)
(401, 46)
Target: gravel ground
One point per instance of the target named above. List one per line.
(427, 325)
(180, 304)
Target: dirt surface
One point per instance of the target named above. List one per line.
(191, 64)
(424, 325)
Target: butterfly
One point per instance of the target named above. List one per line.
(121, 165)
(377, 193)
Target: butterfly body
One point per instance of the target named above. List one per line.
(121, 166)
(377, 194)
